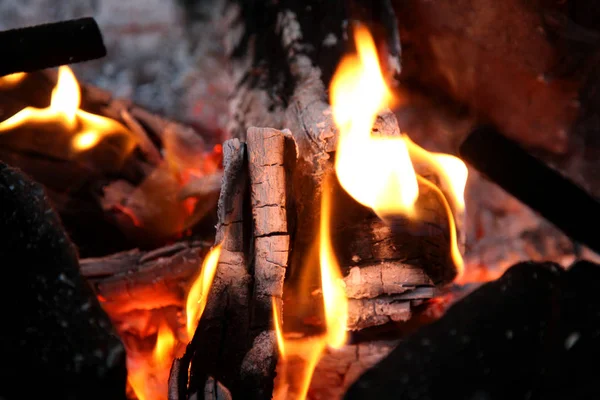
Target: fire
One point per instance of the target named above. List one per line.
(11, 80)
(148, 372)
(198, 294)
(308, 350)
(334, 296)
(87, 129)
(377, 171)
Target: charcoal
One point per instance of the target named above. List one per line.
(54, 333)
(532, 334)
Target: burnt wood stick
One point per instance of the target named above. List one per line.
(555, 197)
(50, 45)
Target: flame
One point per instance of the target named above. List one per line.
(385, 180)
(198, 294)
(334, 295)
(377, 171)
(148, 375)
(88, 129)
(278, 329)
(307, 351)
(11, 80)
(148, 371)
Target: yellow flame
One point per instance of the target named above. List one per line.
(11, 80)
(149, 375)
(376, 171)
(294, 383)
(198, 294)
(88, 129)
(165, 342)
(278, 329)
(452, 171)
(332, 284)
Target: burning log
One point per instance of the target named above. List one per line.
(50, 45)
(58, 331)
(138, 280)
(114, 182)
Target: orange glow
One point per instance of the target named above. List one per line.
(11, 80)
(377, 171)
(198, 294)
(294, 383)
(148, 375)
(88, 129)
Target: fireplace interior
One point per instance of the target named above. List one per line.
(231, 199)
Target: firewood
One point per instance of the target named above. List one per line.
(338, 369)
(221, 338)
(266, 149)
(144, 280)
(59, 332)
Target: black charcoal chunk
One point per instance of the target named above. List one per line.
(532, 334)
(54, 335)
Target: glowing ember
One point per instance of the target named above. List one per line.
(377, 171)
(148, 375)
(307, 351)
(11, 80)
(88, 129)
(198, 294)
(148, 371)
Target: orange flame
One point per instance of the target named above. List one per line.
(198, 294)
(294, 384)
(88, 129)
(148, 372)
(11, 80)
(148, 375)
(377, 171)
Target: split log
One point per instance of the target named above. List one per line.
(232, 342)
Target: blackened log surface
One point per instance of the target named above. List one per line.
(533, 333)
(55, 331)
